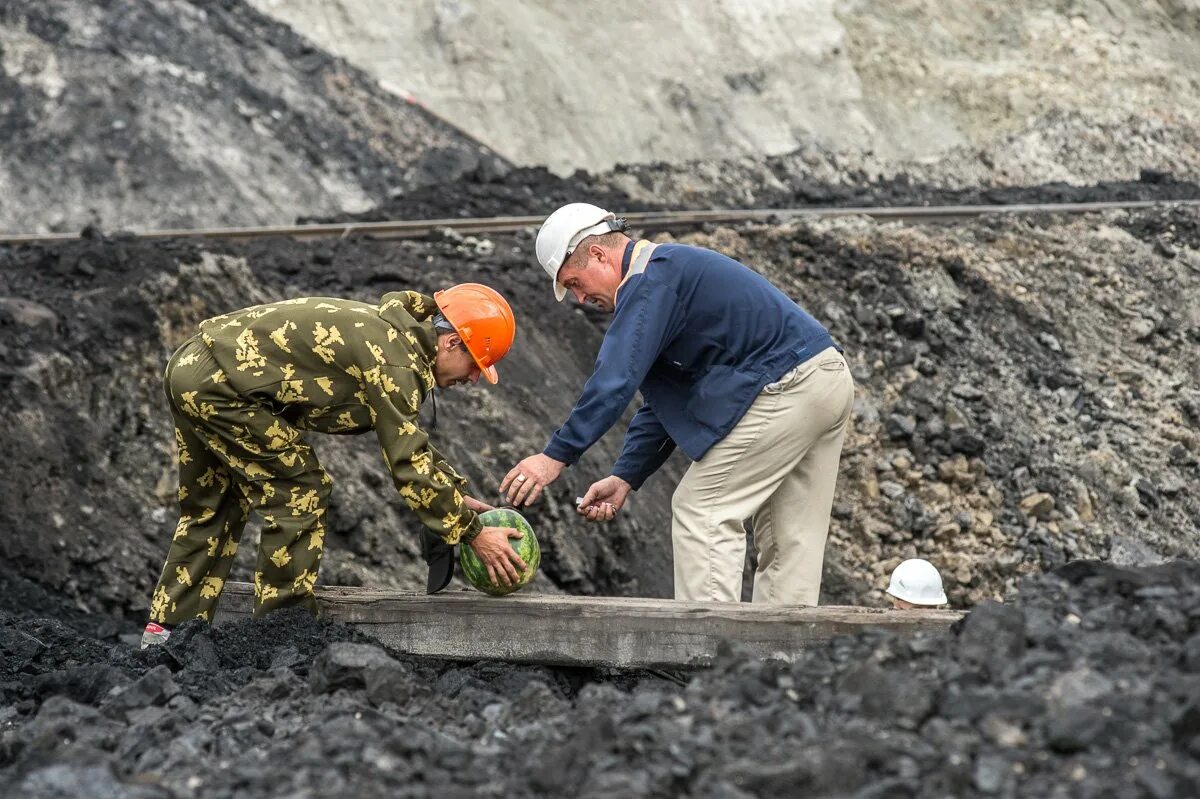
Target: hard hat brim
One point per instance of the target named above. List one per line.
(903, 595)
(560, 290)
(490, 374)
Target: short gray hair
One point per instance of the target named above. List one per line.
(610, 239)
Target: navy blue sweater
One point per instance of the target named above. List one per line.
(700, 335)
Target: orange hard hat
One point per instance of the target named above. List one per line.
(484, 321)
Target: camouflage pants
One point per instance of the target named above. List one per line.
(236, 456)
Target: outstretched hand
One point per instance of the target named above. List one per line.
(604, 498)
(525, 481)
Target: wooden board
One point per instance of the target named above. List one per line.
(587, 631)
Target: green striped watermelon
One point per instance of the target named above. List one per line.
(527, 547)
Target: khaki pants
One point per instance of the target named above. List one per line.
(235, 456)
(777, 466)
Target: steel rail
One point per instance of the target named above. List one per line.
(654, 220)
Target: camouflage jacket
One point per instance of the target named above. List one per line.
(340, 366)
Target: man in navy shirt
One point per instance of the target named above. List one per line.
(732, 372)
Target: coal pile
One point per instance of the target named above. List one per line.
(491, 191)
(188, 114)
(1026, 397)
(1086, 685)
(1015, 409)
(89, 325)
(535, 191)
(1063, 157)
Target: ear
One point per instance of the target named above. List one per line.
(449, 341)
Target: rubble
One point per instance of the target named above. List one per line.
(1026, 405)
(188, 114)
(1086, 682)
(958, 419)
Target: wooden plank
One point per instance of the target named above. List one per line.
(587, 631)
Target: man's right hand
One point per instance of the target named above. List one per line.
(504, 565)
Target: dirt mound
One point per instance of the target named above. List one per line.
(1025, 393)
(185, 114)
(528, 191)
(537, 192)
(682, 81)
(1090, 679)
(1000, 427)
(1062, 158)
(88, 326)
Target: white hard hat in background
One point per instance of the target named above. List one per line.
(561, 233)
(917, 581)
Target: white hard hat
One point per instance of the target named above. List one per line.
(917, 581)
(561, 233)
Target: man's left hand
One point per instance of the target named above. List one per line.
(604, 499)
(525, 481)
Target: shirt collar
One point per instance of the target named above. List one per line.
(627, 258)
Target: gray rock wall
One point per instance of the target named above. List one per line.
(187, 114)
(593, 84)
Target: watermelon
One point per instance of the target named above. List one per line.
(527, 547)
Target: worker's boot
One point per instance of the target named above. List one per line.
(154, 634)
(439, 556)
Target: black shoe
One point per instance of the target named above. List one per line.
(439, 556)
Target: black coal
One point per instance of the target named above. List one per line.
(1087, 685)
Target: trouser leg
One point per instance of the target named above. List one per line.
(292, 540)
(791, 528)
(270, 469)
(717, 493)
(212, 515)
(736, 478)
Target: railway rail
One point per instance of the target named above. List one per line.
(651, 220)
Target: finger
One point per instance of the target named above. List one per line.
(517, 561)
(521, 492)
(589, 497)
(517, 490)
(491, 571)
(515, 534)
(509, 487)
(508, 478)
(511, 574)
(499, 568)
(534, 494)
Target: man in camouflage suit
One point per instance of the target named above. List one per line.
(243, 389)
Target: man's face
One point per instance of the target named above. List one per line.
(593, 277)
(453, 365)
